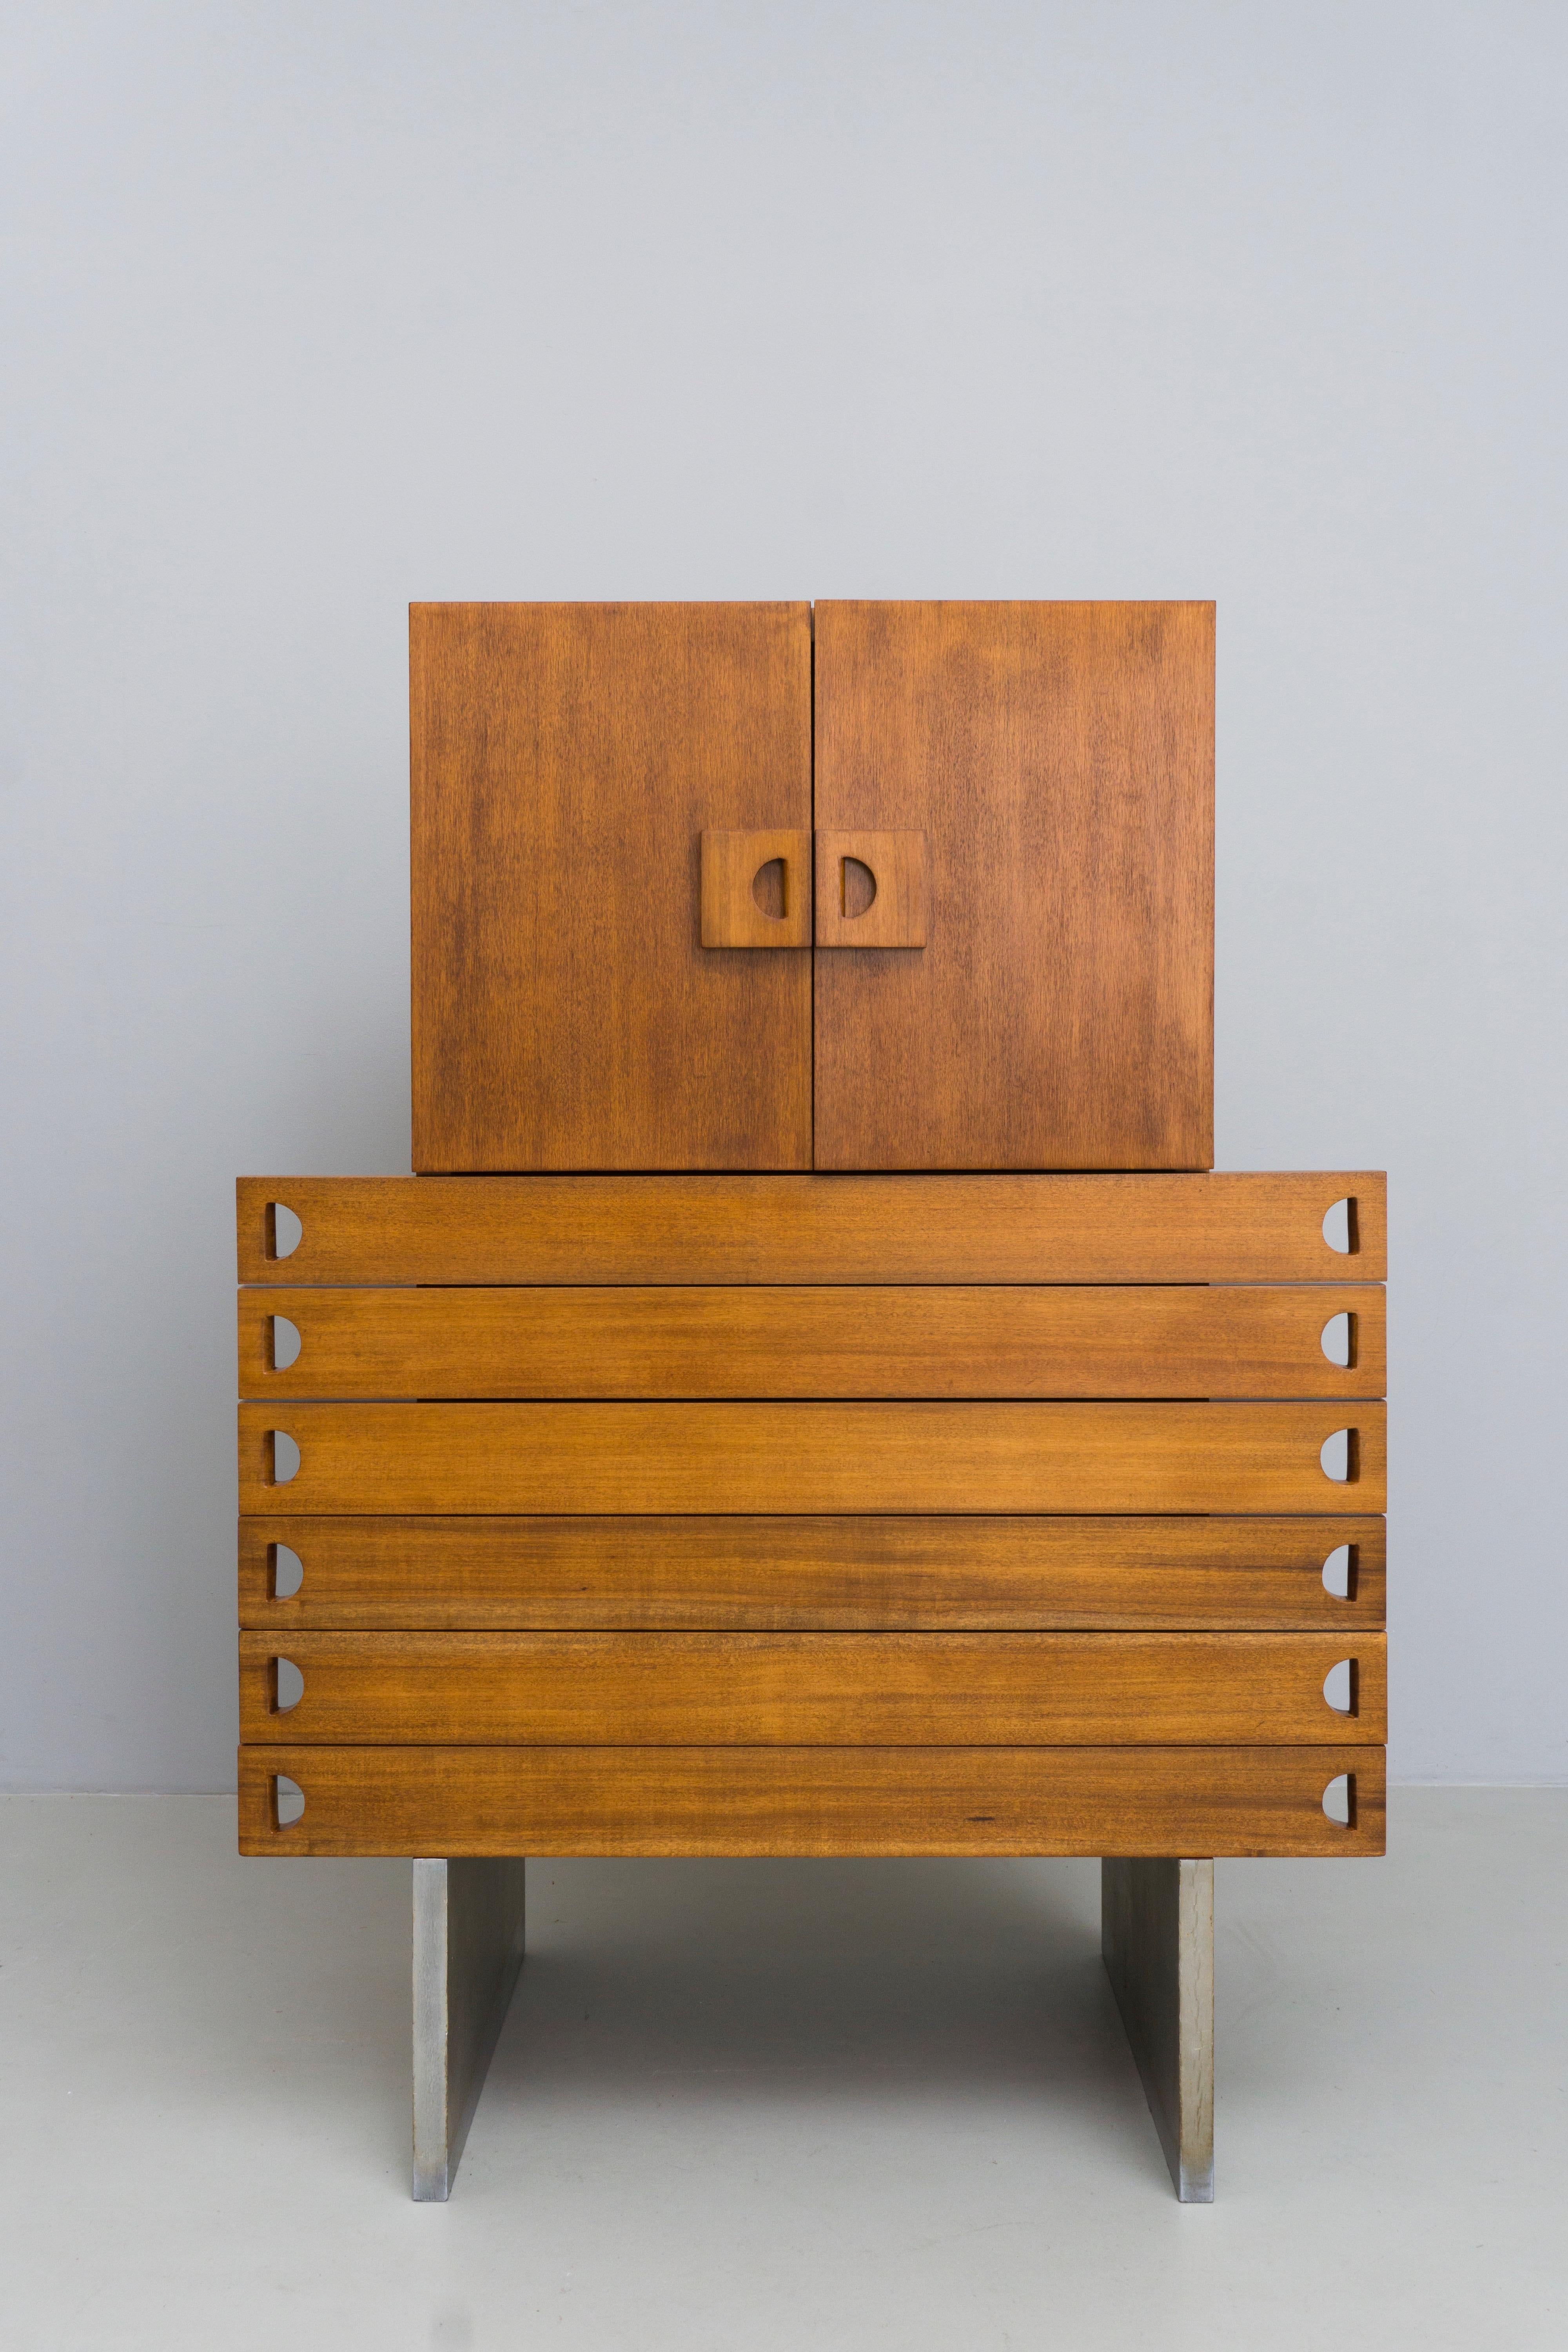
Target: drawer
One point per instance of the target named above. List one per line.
(831, 1690)
(802, 1458)
(816, 1340)
(812, 1800)
(846, 1228)
(772, 1574)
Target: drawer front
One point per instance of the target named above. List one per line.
(988, 1458)
(739, 1229)
(812, 1800)
(931, 1341)
(833, 1690)
(772, 1574)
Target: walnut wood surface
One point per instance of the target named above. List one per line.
(756, 1340)
(809, 1457)
(829, 1690)
(1059, 758)
(566, 761)
(812, 1800)
(797, 1229)
(768, 1574)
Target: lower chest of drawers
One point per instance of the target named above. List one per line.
(822, 1567)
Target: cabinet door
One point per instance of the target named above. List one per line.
(566, 759)
(1058, 759)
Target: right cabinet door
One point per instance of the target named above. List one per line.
(1058, 760)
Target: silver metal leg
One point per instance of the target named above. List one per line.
(467, 1950)
(1156, 1933)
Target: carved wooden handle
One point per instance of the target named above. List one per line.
(894, 916)
(740, 894)
(757, 890)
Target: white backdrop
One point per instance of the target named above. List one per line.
(312, 310)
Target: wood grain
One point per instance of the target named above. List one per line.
(814, 1690)
(812, 1800)
(801, 1458)
(757, 1340)
(774, 1574)
(798, 1229)
(1059, 758)
(566, 761)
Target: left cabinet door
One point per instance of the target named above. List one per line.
(566, 760)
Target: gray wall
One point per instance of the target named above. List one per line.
(310, 311)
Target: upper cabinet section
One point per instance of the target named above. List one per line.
(622, 887)
(567, 761)
(1059, 762)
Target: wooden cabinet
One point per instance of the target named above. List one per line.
(813, 1398)
(627, 953)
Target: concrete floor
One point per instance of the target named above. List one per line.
(776, 2105)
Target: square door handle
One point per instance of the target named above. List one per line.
(871, 890)
(746, 876)
(758, 889)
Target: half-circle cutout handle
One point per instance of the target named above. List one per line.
(1339, 1572)
(1338, 1340)
(287, 1800)
(283, 1231)
(1340, 1693)
(1339, 1227)
(282, 1343)
(754, 889)
(282, 1457)
(857, 888)
(1339, 1457)
(285, 1686)
(285, 1571)
(871, 890)
(1339, 1801)
(770, 889)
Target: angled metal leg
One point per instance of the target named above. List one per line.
(1156, 1935)
(467, 1950)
